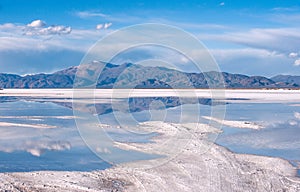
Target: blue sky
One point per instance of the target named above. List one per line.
(254, 38)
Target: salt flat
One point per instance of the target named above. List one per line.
(201, 166)
(256, 95)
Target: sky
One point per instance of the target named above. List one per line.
(248, 37)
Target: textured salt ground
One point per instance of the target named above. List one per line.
(199, 166)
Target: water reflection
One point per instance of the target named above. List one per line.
(280, 138)
(40, 133)
(55, 144)
(26, 144)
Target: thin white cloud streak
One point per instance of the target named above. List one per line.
(87, 14)
(282, 40)
(253, 61)
(192, 26)
(290, 19)
(280, 9)
(223, 54)
(20, 43)
(120, 18)
(78, 40)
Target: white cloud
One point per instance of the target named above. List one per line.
(86, 14)
(39, 27)
(99, 26)
(103, 26)
(35, 28)
(222, 4)
(51, 30)
(37, 23)
(297, 62)
(107, 25)
(293, 55)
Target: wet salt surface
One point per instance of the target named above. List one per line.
(61, 148)
(279, 138)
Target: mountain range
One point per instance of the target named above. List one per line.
(136, 76)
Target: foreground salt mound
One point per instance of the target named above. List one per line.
(201, 165)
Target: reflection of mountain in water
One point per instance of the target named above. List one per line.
(137, 104)
(132, 104)
(4, 99)
(141, 104)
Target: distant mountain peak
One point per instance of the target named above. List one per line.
(68, 71)
(288, 79)
(130, 75)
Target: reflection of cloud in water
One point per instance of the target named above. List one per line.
(297, 115)
(20, 133)
(38, 148)
(280, 137)
(37, 117)
(36, 141)
(58, 114)
(35, 126)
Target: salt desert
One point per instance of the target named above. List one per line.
(199, 165)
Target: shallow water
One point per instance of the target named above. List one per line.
(61, 147)
(280, 138)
